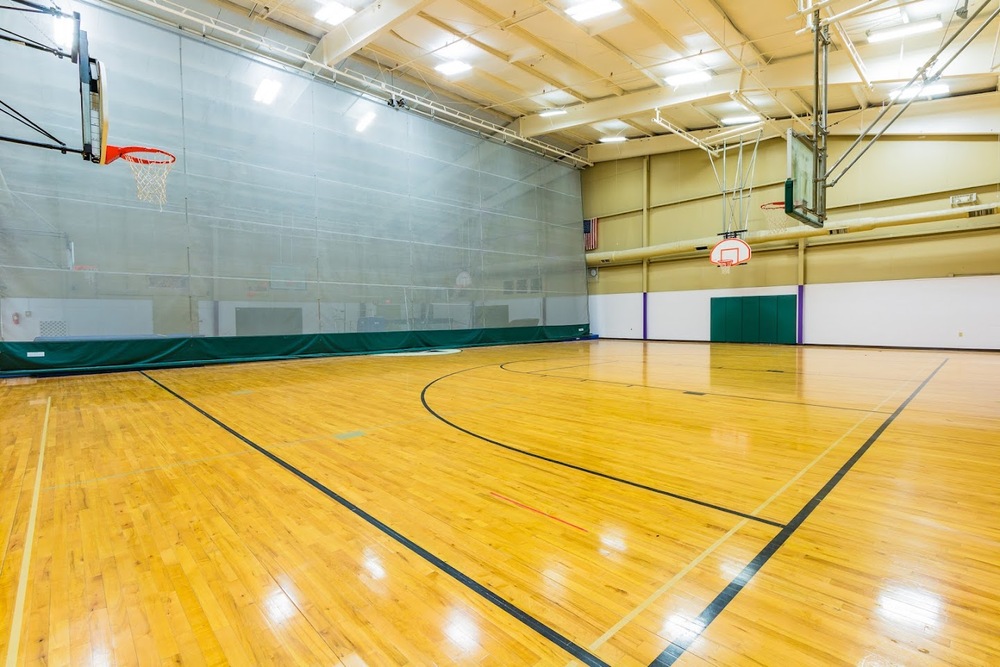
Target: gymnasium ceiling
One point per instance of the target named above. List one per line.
(612, 74)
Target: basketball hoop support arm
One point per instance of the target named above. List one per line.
(34, 8)
(38, 144)
(79, 55)
(921, 74)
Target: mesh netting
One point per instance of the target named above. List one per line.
(150, 170)
(774, 216)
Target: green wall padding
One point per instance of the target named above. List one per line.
(754, 319)
(786, 319)
(751, 319)
(718, 332)
(734, 320)
(768, 320)
(90, 355)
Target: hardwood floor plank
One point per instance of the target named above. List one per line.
(164, 538)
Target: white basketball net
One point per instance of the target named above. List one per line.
(150, 178)
(775, 217)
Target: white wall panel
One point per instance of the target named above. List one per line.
(616, 315)
(56, 318)
(941, 312)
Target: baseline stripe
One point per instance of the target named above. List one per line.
(578, 652)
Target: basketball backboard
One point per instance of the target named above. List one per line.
(801, 201)
(730, 251)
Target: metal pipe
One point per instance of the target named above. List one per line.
(869, 4)
(882, 114)
(36, 144)
(972, 38)
(633, 255)
(818, 84)
(836, 18)
(936, 76)
(823, 128)
(682, 133)
(853, 55)
(809, 8)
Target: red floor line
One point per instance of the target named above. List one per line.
(532, 509)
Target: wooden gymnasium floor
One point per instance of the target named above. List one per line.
(602, 502)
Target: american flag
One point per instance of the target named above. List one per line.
(590, 234)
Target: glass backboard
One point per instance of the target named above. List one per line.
(800, 184)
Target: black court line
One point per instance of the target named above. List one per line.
(658, 388)
(596, 473)
(677, 648)
(578, 652)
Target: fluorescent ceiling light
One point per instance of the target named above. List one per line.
(334, 13)
(613, 140)
(696, 76)
(740, 120)
(453, 67)
(267, 91)
(364, 122)
(553, 112)
(63, 29)
(932, 90)
(592, 9)
(884, 35)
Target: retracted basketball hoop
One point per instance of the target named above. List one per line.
(150, 166)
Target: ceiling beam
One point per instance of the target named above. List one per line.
(543, 46)
(635, 65)
(883, 67)
(792, 74)
(506, 58)
(752, 73)
(628, 105)
(643, 17)
(742, 39)
(852, 52)
(362, 28)
(970, 115)
(476, 96)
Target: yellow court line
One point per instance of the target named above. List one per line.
(613, 630)
(29, 538)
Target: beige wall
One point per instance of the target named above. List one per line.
(897, 176)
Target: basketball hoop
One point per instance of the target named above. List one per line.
(729, 252)
(774, 215)
(150, 166)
